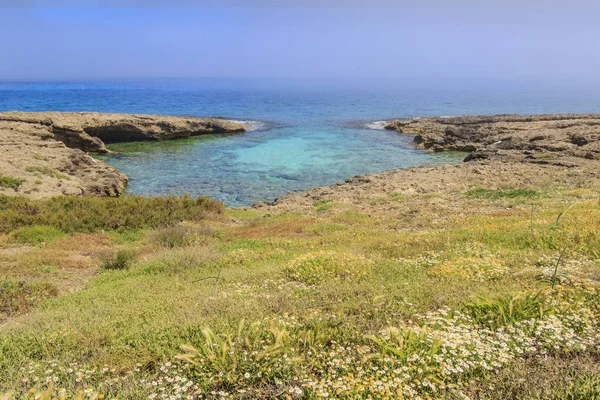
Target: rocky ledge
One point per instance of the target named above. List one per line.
(536, 138)
(44, 154)
(505, 152)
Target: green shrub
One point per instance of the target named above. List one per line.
(19, 297)
(10, 183)
(36, 235)
(121, 260)
(180, 235)
(89, 214)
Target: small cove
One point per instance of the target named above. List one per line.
(314, 133)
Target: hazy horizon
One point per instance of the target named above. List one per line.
(388, 44)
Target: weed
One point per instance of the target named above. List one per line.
(43, 170)
(17, 297)
(503, 310)
(10, 182)
(121, 260)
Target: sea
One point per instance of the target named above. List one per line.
(300, 133)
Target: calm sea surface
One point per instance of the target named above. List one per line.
(301, 134)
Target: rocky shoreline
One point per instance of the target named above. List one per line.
(505, 152)
(44, 154)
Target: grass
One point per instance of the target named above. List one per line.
(10, 182)
(89, 214)
(43, 170)
(37, 235)
(503, 194)
(339, 304)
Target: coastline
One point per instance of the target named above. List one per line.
(505, 152)
(45, 153)
(50, 149)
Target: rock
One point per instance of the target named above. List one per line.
(48, 150)
(569, 135)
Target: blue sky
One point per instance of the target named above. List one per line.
(553, 44)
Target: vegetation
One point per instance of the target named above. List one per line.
(89, 214)
(503, 194)
(182, 297)
(43, 170)
(10, 182)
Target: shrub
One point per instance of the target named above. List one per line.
(316, 268)
(19, 297)
(121, 260)
(180, 235)
(179, 260)
(89, 214)
(10, 183)
(36, 235)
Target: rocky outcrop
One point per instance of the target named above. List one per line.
(46, 152)
(89, 131)
(508, 136)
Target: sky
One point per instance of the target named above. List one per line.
(388, 43)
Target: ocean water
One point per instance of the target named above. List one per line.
(301, 134)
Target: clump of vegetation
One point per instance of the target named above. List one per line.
(499, 311)
(89, 214)
(179, 260)
(323, 205)
(11, 183)
(40, 157)
(503, 194)
(43, 170)
(17, 297)
(37, 235)
(181, 235)
(121, 260)
(316, 268)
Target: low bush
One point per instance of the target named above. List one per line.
(89, 214)
(17, 297)
(181, 235)
(121, 260)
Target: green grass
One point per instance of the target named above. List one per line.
(277, 304)
(38, 235)
(503, 194)
(89, 214)
(43, 170)
(10, 182)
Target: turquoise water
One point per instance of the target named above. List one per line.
(303, 134)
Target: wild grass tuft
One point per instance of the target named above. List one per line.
(10, 183)
(121, 260)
